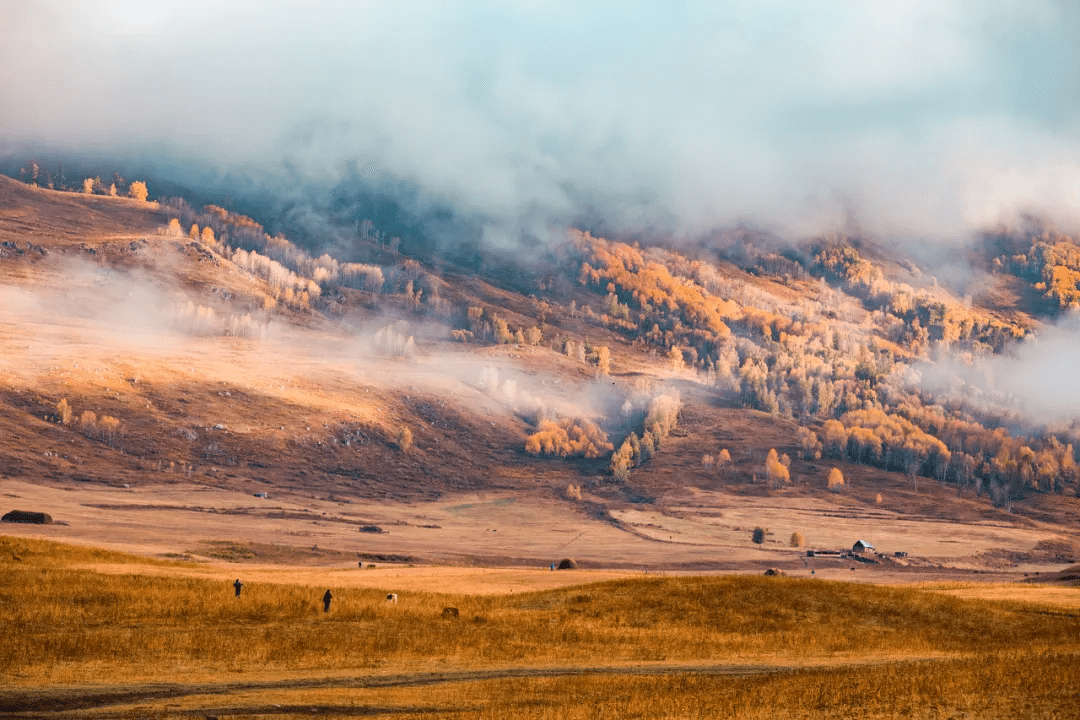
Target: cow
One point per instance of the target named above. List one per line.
(391, 598)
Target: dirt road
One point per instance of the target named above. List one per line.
(38, 702)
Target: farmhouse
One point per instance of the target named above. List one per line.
(861, 546)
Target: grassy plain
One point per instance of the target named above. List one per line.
(146, 644)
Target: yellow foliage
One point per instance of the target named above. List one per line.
(568, 438)
(64, 412)
(138, 191)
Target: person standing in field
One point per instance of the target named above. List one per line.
(239, 586)
(326, 601)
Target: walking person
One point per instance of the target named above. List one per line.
(326, 601)
(239, 586)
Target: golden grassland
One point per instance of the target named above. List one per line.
(80, 643)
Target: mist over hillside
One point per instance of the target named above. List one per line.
(920, 119)
(836, 217)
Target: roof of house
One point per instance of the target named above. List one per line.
(863, 543)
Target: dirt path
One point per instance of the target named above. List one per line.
(39, 702)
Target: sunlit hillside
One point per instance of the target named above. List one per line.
(153, 344)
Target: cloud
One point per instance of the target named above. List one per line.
(912, 118)
(1034, 380)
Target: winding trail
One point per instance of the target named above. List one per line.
(42, 703)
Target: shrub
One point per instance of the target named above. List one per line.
(878, 499)
(759, 536)
(88, 186)
(797, 540)
(573, 492)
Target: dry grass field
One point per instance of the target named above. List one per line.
(153, 643)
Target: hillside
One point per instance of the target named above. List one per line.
(164, 360)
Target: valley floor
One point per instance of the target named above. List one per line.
(688, 530)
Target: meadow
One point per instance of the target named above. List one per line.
(87, 644)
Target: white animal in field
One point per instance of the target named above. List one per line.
(391, 598)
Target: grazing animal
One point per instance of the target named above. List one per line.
(450, 612)
(391, 598)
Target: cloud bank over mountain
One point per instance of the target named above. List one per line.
(906, 119)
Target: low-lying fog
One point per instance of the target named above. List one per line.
(82, 311)
(1035, 381)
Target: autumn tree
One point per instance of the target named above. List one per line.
(776, 470)
(404, 438)
(138, 191)
(601, 357)
(110, 428)
(88, 423)
(808, 441)
(64, 412)
(723, 459)
(835, 480)
(675, 357)
(568, 438)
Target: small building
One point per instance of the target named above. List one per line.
(861, 546)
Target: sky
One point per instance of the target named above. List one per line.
(905, 119)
